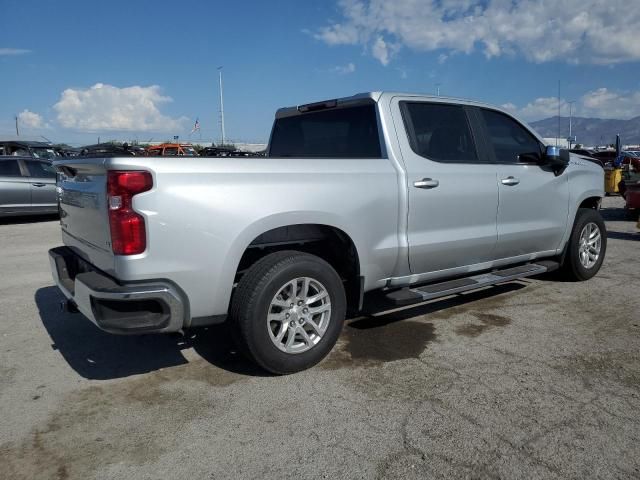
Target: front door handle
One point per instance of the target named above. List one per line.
(39, 184)
(426, 183)
(510, 181)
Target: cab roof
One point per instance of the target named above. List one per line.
(377, 96)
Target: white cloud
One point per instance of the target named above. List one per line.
(543, 107)
(13, 51)
(31, 119)
(604, 103)
(344, 69)
(338, 35)
(105, 107)
(380, 51)
(575, 31)
(599, 103)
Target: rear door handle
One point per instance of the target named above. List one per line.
(426, 183)
(39, 184)
(510, 181)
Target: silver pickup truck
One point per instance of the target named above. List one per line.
(412, 196)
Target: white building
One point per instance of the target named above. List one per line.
(560, 142)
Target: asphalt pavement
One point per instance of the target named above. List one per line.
(531, 379)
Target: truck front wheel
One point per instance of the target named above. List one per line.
(587, 246)
(288, 310)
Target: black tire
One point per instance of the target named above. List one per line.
(572, 268)
(252, 299)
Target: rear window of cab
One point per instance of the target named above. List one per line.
(343, 132)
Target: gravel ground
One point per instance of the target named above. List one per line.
(531, 379)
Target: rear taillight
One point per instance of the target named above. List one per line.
(128, 236)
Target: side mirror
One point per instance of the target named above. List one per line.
(556, 158)
(530, 157)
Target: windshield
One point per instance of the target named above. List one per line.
(189, 151)
(44, 152)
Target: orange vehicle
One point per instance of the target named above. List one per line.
(171, 150)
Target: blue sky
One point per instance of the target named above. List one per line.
(76, 70)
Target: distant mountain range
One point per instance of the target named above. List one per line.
(591, 131)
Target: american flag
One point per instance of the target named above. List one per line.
(196, 126)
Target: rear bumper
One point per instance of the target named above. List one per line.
(154, 307)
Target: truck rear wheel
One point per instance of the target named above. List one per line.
(288, 310)
(587, 246)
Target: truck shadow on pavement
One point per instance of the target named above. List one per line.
(98, 355)
(50, 217)
(613, 214)
(375, 338)
(624, 235)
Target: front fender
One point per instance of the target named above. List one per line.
(586, 180)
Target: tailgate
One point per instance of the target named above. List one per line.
(82, 191)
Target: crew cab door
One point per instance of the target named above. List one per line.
(452, 192)
(533, 200)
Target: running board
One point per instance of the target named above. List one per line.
(408, 296)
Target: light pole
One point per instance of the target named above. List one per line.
(558, 136)
(571, 102)
(221, 105)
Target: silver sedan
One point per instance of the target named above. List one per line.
(27, 186)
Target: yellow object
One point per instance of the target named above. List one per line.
(611, 180)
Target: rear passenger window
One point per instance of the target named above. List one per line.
(9, 168)
(508, 138)
(439, 132)
(41, 169)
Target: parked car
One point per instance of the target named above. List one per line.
(107, 150)
(138, 150)
(66, 151)
(585, 152)
(632, 197)
(27, 186)
(28, 149)
(171, 150)
(409, 196)
(221, 151)
(608, 157)
(630, 186)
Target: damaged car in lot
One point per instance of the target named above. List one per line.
(414, 197)
(26, 148)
